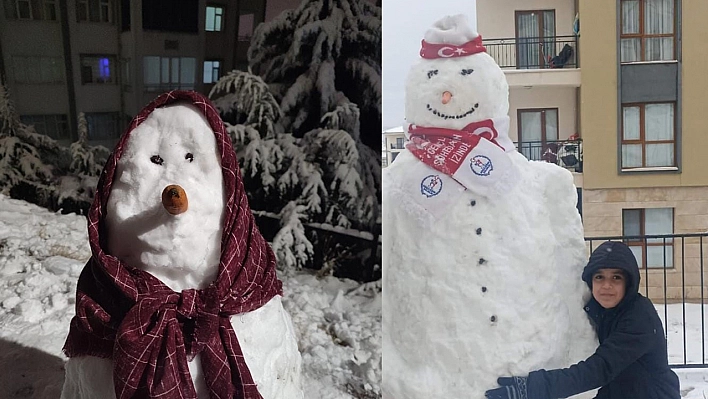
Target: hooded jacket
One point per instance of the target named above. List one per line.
(631, 361)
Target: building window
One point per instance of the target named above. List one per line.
(38, 70)
(54, 126)
(169, 73)
(94, 11)
(647, 30)
(98, 69)
(394, 155)
(125, 74)
(214, 18)
(537, 127)
(211, 71)
(399, 143)
(648, 135)
(103, 125)
(246, 24)
(535, 38)
(31, 9)
(650, 252)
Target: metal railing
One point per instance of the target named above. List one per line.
(534, 52)
(564, 153)
(396, 146)
(674, 281)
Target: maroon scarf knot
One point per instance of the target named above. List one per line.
(149, 330)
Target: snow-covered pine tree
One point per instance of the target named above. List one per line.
(322, 63)
(311, 179)
(83, 161)
(22, 171)
(316, 54)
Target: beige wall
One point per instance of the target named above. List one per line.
(495, 18)
(599, 99)
(563, 98)
(602, 217)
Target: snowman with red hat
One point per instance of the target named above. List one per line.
(180, 298)
(483, 249)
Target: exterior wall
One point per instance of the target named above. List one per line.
(602, 217)
(19, 39)
(599, 116)
(563, 98)
(497, 21)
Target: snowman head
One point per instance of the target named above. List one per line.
(165, 209)
(456, 82)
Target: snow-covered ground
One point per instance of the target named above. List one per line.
(338, 322)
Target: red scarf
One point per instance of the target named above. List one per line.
(150, 331)
(446, 149)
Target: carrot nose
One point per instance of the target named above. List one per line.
(446, 97)
(174, 199)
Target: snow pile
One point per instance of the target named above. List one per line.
(338, 322)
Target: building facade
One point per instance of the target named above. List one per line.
(628, 97)
(109, 58)
(394, 139)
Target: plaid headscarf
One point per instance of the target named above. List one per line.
(150, 331)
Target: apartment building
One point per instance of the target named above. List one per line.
(394, 139)
(625, 101)
(109, 58)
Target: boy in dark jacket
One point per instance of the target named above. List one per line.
(631, 361)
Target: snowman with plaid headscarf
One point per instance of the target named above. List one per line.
(483, 249)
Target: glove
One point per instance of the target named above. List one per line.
(511, 388)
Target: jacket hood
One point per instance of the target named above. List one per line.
(614, 255)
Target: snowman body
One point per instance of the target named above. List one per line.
(485, 283)
(175, 145)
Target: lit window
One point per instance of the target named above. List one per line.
(97, 69)
(650, 252)
(648, 32)
(211, 71)
(169, 73)
(214, 17)
(648, 138)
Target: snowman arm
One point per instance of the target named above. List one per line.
(624, 346)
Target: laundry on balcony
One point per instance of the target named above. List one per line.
(562, 58)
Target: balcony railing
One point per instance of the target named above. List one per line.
(534, 52)
(397, 146)
(564, 153)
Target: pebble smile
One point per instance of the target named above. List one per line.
(445, 116)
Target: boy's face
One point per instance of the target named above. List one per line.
(608, 287)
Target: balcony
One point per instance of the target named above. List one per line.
(397, 146)
(535, 61)
(564, 153)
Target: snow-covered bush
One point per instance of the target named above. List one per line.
(35, 168)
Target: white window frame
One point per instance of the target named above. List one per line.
(217, 12)
(212, 72)
(170, 76)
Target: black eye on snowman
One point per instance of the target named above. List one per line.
(189, 157)
(156, 159)
(432, 73)
(466, 72)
